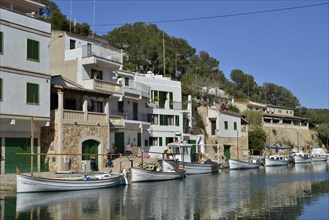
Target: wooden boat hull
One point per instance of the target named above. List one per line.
(238, 164)
(140, 175)
(196, 168)
(26, 183)
(274, 162)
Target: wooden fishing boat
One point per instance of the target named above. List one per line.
(182, 152)
(141, 175)
(29, 183)
(276, 160)
(239, 164)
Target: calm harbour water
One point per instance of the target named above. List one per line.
(293, 192)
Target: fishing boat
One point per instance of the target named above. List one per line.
(141, 175)
(170, 170)
(276, 160)
(30, 183)
(239, 164)
(301, 157)
(182, 152)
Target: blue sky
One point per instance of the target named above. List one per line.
(286, 47)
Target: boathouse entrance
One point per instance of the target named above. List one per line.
(90, 147)
(227, 153)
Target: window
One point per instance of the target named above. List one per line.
(72, 44)
(32, 93)
(177, 120)
(98, 106)
(0, 89)
(153, 141)
(96, 74)
(120, 106)
(126, 81)
(235, 126)
(32, 50)
(225, 125)
(1, 42)
(171, 120)
(154, 120)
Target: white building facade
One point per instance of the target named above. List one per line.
(24, 83)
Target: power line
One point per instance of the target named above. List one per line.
(222, 16)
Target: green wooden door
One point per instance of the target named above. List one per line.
(193, 148)
(23, 162)
(139, 139)
(119, 139)
(90, 147)
(227, 151)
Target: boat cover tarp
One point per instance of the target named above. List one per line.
(277, 147)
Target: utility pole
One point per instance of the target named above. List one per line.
(164, 55)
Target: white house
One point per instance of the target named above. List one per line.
(228, 129)
(167, 116)
(24, 83)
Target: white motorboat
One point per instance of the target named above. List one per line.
(319, 158)
(239, 164)
(301, 158)
(276, 160)
(28, 183)
(182, 153)
(318, 155)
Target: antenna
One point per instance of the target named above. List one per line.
(70, 15)
(94, 19)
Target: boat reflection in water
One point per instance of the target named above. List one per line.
(265, 194)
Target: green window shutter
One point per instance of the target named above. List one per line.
(161, 119)
(0, 89)
(126, 81)
(165, 119)
(177, 120)
(235, 126)
(171, 100)
(162, 99)
(1, 42)
(167, 140)
(32, 93)
(225, 125)
(32, 50)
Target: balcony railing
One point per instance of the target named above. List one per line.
(103, 85)
(131, 116)
(111, 54)
(138, 88)
(116, 121)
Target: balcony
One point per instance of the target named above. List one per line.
(102, 85)
(90, 118)
(101, 56)
(137, 88)
(116, 121)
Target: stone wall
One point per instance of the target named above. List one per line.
(73, 137)
(293, 134)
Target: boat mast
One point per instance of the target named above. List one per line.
(32, 145)
(237, 145)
